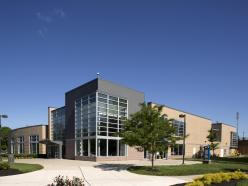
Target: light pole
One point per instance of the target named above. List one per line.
(1, 116)
(184, 133)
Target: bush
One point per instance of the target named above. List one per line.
(209, 179)
(28, 156)
(4, 166)
(65, 181)
(233, 159)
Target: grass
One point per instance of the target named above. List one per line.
(195, 169)
(24, 167)
(242, 183)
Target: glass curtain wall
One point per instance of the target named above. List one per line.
(98, 118)
(58, 124)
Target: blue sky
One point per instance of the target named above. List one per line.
(190, 55)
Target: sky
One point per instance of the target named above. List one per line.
(190, 55)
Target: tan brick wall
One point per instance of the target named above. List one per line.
(196, 128)
(39, 130)
(133, 154)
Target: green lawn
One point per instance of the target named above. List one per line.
(24, 167)
(195, 169)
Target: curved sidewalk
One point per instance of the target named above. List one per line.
(96, 173)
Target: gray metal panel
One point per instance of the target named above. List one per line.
(70, 98)
(134, 97)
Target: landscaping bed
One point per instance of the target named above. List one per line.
(236, 178)
(230, 183)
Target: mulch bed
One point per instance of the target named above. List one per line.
(231, 183)
(9, 172)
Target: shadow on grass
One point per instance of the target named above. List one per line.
(113, 167)
(9, 172)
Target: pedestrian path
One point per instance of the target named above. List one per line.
(96, 174)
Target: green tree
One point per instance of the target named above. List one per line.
(147, 129)
(213, 139)
(4, 133)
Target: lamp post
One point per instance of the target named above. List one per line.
(184, 134)
(1, 116)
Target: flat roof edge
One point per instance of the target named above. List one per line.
(220, 123)
(179, 110)
(29, 127)
(138, 91)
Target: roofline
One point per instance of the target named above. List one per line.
(179, 110)
(88, 82)
(106, 81)
(221, 123)
(58, 108)
(122, 86)
(28, 127)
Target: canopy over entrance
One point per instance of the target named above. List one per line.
(53, 148)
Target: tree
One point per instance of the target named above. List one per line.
(147, 129)
(213, 138)
(4, 134)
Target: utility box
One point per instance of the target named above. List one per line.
(206, 155)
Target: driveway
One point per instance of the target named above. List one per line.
(95, 173)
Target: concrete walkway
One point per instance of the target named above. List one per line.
(96, 174)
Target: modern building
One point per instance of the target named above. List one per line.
(197, 128)
(87, 127)
(228, 139)
(95, 111)
(26, 140)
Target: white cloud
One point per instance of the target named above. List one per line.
(59, 12)
(44, 18)
(42, 32)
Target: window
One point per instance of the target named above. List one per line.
(78, 147)
(179, 126)
(122, 148)
(177, 149)
(12, 145)
(34, 144)
(58, 123)
(20, 143)
(112, 147)
(92, 147)
(85, 147)
(234, 139)
(102, 147)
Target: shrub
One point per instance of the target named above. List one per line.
(233, 159)
(209, 179)
(4, 166)
(28, 156)
(195, 183)
(65, 181)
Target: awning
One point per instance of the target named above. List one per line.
(50, 142)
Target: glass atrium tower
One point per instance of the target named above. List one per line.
(95, 112)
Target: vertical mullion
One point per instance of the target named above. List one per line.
(96, 144)
(107, 124)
